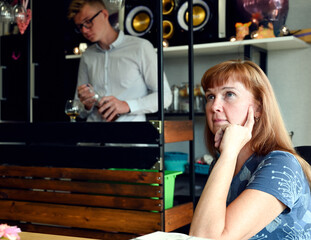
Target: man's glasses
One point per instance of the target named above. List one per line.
(87, 24)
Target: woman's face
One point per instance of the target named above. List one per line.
(228, 104)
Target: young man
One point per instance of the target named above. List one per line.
(121, 69)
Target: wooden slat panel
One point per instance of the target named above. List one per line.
(178, 216)
(86, 200)
(176, 131)
(83, 174)
(112, 220)
(84, 187)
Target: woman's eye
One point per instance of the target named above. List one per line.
(210, 97)
(230, 94)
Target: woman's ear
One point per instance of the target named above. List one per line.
(258, 110)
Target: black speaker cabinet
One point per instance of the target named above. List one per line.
(213, 20)
(140, 19)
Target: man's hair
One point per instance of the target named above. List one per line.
(76, 5)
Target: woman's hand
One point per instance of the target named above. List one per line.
(233, 137)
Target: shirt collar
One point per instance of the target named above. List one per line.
(115, 44)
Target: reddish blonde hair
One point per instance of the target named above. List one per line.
(269, 133)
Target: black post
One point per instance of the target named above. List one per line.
(160, 60)
(28, 117)
(191, 97)
(159, 28)
(263, 55)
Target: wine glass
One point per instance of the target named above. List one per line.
(6, 12)
(73, 109)
(19, 13)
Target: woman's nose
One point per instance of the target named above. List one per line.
(217, 105)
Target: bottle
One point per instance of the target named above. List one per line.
(175, 103)
(96, 96)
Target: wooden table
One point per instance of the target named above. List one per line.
(41, 236)
(167, 236)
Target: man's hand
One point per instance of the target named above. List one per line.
(86, 96)
(111, 108)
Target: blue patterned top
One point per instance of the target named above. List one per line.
(279, 174)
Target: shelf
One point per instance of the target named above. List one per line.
(73, 56)
(278, 43)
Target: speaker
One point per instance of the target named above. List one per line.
(169, 22)
(205, 24)
(212, 20)
(139, 19)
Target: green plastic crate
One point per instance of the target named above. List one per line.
(169, 184)
(169, 187)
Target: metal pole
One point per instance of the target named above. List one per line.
(160, 59)
(191, 97)
(159, 28)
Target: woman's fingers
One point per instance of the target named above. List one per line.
(250, 118)
(219, 135)
(237, 134)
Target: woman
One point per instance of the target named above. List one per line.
(259, 188)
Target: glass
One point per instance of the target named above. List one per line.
(6, 12)
(73, 109)
(19, 13)
(87, 24)
(96, 96)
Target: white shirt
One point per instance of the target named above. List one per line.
(127, 71)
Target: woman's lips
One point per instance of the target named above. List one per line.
(219, 121)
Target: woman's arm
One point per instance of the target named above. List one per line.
(210, 214)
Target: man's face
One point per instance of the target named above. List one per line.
(90, 22)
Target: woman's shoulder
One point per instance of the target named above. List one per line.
(278, 163)
(273, 160)
(280, 158)
(280, 174)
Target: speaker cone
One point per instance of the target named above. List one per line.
(168, 6)
(201, 15)
(139, 21)
(168, 29)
